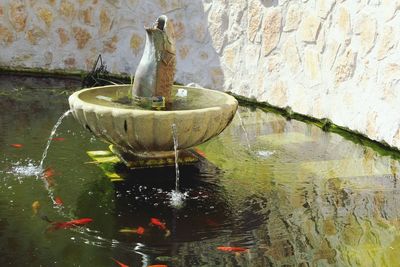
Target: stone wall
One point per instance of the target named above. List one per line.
(336, 59)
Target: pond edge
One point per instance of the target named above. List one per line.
(382, 148)
(325, 124)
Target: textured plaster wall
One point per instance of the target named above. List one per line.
(336, 59)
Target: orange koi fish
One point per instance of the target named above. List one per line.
(17, 145)
(58, 201)
(35, 207)
(232, 249)
(47, 175)
(120, 263)
(158, 223)
(200, 152)
(58, 138)
(70, 224)
(139, 230)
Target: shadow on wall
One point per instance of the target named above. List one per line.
(269, 3)
(198, 59)
(69, 35)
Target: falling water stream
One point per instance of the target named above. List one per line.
(246, 135)
(250, 150)
(177, 197)
(53, 132)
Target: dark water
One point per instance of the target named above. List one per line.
(290, 193)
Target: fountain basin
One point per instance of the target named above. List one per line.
(198, 116)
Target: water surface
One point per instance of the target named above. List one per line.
(289, 192)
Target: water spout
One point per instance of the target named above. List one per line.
(53, 131)
(177, 197)
(175, 136)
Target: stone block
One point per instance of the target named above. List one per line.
(17, 14)
(366, 28)
(324, 7)
(291, 54)
(272, 30)
(293, 17)
(345, 66)
(387, 42)
(312, 66)
(309, 28)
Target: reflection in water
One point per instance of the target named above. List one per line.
(303, 197)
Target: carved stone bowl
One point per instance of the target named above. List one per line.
(199, 114)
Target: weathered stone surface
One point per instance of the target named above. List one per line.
(278, 95)
(105, 21)
(70, 62)
(291, 54)
(343, 21)
(387, 42)
(218, 22)
(136, 43)
(371, 124)
(184, 51)
(34, 35)
(293, 17)
(63, 36)
(324, 7)
(391, 71)
(82, 36)
(309, 28)
(6, 36)
(17, 15)
(200, 33)
(272, 30)
(110, 45)
(254, 19)
(390, 8)
(46, 16)
(179, 30)
(203, 55)
(321, 41)
(365, 27)
(274, 63)
(312, 66)
(345, 66)
(48, 58)
(229, 56)
(67, 9)
(331, 52)
(86, 16)
(217, 76)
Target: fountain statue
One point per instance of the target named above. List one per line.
(144, 131)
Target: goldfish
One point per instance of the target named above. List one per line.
(158, 223)
(58, 201)
(200, 152)
(58, 139)
(47, 175)
(139, 230)
(232, 249)
(120, 263)
(17, 145)
(70, 224)
(35, 207)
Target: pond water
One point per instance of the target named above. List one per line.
(287, 192)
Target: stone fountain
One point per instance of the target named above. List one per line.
(137, 119)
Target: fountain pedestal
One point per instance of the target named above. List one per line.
(155, 159)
